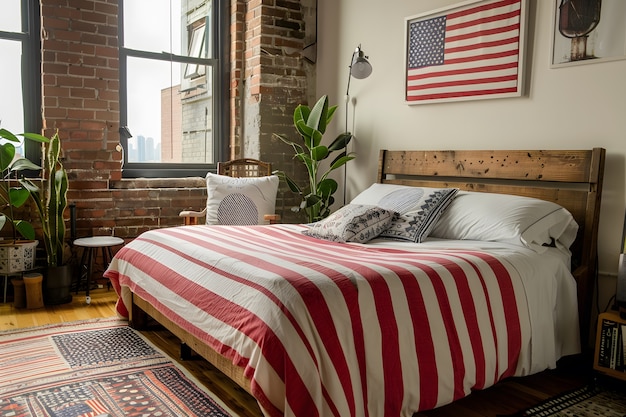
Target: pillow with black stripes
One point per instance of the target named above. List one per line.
(352, 223)
(417, 208)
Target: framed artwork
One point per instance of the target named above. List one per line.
(588, 31)
(468, 51)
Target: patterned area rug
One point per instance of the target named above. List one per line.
(593, 400)
(95, 368)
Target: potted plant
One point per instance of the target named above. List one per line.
(16, 255)
(317, 195)
(51, 201)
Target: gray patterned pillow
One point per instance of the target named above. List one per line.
(352, 223)
(417, 208)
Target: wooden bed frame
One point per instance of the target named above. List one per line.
(571, 178)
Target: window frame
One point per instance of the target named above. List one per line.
(220, 76)
(30, 72)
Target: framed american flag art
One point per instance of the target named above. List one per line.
(468, 51)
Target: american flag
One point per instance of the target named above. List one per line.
(471, 52)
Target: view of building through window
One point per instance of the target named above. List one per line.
(169, 100)
(11, 45)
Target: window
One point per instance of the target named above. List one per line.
(170, 64)
(20, 80)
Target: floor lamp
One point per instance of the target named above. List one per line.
(360, 68)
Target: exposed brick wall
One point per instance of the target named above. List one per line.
(81, 99)
(271, 79)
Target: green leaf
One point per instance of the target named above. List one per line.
(317, 118)
(330, 114)
(18, 196)
(5, 134)
(36, 137)
(306, 132)
(7, 153)
(301, 113)
(341, 160)
(326, 187)
(22, 164)
(3, 220)
(319, 153)
(25, 229)
(341, 142)
(312, 200)
(317, 137)
(290, 183)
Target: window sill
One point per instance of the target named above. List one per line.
(156, 183)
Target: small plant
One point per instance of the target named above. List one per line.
(14, 197)
(317, 196)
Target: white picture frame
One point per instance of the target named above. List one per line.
(468, 51)
(606, 42)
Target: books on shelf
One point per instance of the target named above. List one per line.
(612, 346)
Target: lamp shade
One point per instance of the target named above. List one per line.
(360, 67)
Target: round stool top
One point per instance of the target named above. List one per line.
(98, 241)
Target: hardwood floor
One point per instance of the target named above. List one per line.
(506, 397)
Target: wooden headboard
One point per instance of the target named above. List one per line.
(570, 178)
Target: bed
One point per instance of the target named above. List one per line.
(315, 326)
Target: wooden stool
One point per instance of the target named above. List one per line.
(19, 293)
(32, 284)
(90, 247)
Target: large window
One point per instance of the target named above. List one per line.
(20, 81)
(173, 113)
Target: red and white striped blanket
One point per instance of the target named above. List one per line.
(330, 329)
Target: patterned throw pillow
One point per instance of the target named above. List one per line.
(352, 223)
(417, 208)
(240, 201)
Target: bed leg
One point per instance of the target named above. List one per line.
(138, 318)
(185, 351)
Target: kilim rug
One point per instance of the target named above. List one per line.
(95, 368)
(593, 400)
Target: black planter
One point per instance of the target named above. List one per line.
(58, 283)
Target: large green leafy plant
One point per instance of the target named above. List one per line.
(317, 195)
(14, 196)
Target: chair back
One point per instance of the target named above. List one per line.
(237, 168)
(245, 167)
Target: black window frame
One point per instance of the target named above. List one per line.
(31, 72)
(220, 27)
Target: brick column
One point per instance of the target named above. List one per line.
(272, 78)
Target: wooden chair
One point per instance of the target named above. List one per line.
(245, 167)
(237, 168)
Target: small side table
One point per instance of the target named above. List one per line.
(90, 247)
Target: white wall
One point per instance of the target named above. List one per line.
(576, 107)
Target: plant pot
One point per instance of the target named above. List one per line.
(17, 256)
(58, 284)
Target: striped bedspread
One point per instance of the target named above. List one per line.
(330, 329)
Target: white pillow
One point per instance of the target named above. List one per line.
(507, 218)
(352, 223)
(417, 208)
(240, 201)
